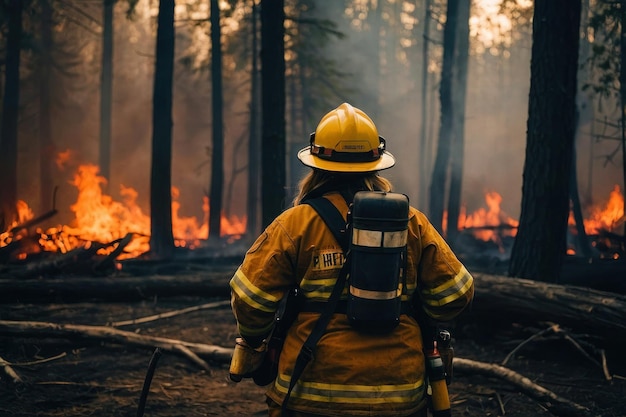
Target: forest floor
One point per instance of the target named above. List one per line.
(87, 378)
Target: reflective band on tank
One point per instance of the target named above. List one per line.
(375, 295)
(379, 239)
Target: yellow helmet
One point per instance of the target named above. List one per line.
(346, 140)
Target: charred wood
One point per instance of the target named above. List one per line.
(32, 222)
(520, 300)
(557, 405)
(108, 334)
(55, 264)
(209, 284)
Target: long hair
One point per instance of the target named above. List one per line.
(316, 179)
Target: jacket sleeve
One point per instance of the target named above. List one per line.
(445, 286)
(261, 281)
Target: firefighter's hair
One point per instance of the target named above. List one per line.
(317, 178)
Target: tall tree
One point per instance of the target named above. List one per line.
(440, 169)
(161, 236)
(217, 154)
(540, 243)
(10, 113)
(375, 18)
(424, 166)
(273, 175)
(622, 95)
(47, 148)
(253, 148)
(458, 134)
(106, 88)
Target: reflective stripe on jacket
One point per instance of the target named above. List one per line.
(351, 372)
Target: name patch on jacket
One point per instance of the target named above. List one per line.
(327, 259)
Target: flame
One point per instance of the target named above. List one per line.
(490, 218)
(24, 214)
(99, 218)
(604, 218)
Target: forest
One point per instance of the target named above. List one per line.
(145, 144)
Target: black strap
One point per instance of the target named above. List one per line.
(336, 223)
(333, 219)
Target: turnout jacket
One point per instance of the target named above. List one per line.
(351, 373)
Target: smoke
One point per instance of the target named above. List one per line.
(495, 131)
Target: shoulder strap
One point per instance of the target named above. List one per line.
(335, 222)
(332, 217)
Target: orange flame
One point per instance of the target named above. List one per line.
(604, 218)
(493, 216)
(99, 218)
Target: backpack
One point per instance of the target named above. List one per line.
(374, 239)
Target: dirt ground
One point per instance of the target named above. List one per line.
(87, 378)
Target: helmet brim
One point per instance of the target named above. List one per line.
(386, 160)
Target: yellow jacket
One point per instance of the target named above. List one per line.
(351, 372)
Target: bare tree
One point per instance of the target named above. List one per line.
(424, 166)
(253, 148)
(106, 87)
(161, 237)
(438, 183)
(458, 133)
(47, 148)
(273, 175)
(10, 112)
(540, 243)
(217, 154)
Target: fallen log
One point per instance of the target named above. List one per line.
(597, 312)
(112, 335)
(32, 222)
(121, 288)
(512, 299)
(557, 405)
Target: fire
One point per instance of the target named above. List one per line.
(605, 218)
(492, 222)
(24, 214)
(99, 218)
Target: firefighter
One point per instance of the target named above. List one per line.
(351, 373)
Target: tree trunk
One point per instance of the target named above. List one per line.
(458, 136)
(375, 20)
(106, 87)
(10, 113)
(540, 243)
(217, 154)
(254, 150)
(47, 149)
(622, 93)
(161, 238)
(273, 174)
(424, 157)
(439, 178)
(583, 244)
